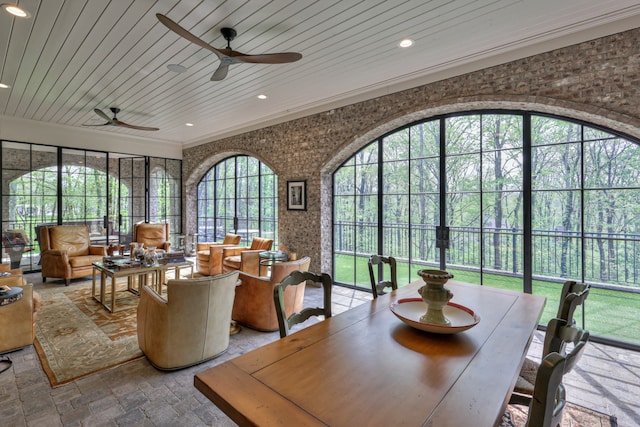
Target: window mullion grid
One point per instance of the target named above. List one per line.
(527, 199)
(443, 187)
(380, 201)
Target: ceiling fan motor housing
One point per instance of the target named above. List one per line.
(228, 33)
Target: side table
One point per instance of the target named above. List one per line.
(268, 258)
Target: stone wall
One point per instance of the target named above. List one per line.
(596, 81)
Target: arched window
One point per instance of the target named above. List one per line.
(238, 195)
(521, 201)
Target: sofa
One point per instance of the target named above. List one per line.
(66, 252)
(191, 325)
(254, 306)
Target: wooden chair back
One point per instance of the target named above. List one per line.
(549, 395)
(572, 296)
(295, 278)
(377, 262)
(559, 334)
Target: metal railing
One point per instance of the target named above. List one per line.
(610, 259)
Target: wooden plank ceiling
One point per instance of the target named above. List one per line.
(73, 56)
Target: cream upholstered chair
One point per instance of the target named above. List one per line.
(254, 307)
(547, 402)
(572, 296)
(191, 325)
(66, 252)
(18, 320)
(209, 254)
(294, 280)
(246, 259)
(150, 235)
(378, 286)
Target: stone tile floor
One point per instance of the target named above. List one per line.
(136, 394)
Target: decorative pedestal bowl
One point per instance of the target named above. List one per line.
(435, 295)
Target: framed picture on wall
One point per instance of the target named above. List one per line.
(297, 195)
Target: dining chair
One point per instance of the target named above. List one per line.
(572, 296)
(559, 333)
(547, 403)
(295, 278)
(377, 262)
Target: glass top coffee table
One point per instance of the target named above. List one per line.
(137, 275)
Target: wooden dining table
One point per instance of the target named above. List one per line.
(365, 367)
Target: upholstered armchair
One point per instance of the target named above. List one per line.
(254, 306)
(189, 327)
(245, 259)
(151, 234)
(66, 252)
(209, 254)
(18, 319)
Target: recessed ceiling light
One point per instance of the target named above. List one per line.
(4, 86)
(405, 43)
(188, 124)
(15, 10)
(176, 68)
(261, 96)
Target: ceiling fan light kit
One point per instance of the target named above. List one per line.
(228, 56)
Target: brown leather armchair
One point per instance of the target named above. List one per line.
(254, 306)
(151, 234)
(18, 319)
(209, 254)
(191, 325)
(245, 259)
(66, 252)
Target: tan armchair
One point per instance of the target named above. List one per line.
(152, 234)
(189, 327)
(209, 254)
(254, 306)
(66, 252)
(18, 319)
(245, 259)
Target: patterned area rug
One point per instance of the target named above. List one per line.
(574, 416)
(76, 336)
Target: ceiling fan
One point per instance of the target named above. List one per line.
(115, 122)
(227, 55)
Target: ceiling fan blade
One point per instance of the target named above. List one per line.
(103, 115)
(127, 125)
(221, 72)
(269, 58)
(187, 35)
(103, 124)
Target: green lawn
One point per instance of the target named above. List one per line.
(608, 313)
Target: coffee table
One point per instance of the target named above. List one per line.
(154, 275)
